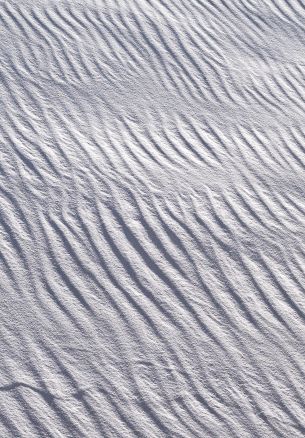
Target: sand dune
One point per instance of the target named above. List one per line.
(152, 218)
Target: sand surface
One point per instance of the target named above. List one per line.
(152, 218)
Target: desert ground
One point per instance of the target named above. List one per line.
(152, 218)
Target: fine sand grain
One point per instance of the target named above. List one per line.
(152, 218)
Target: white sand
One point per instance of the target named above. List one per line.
(152, 218)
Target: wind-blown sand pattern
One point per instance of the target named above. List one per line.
(152, 218)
